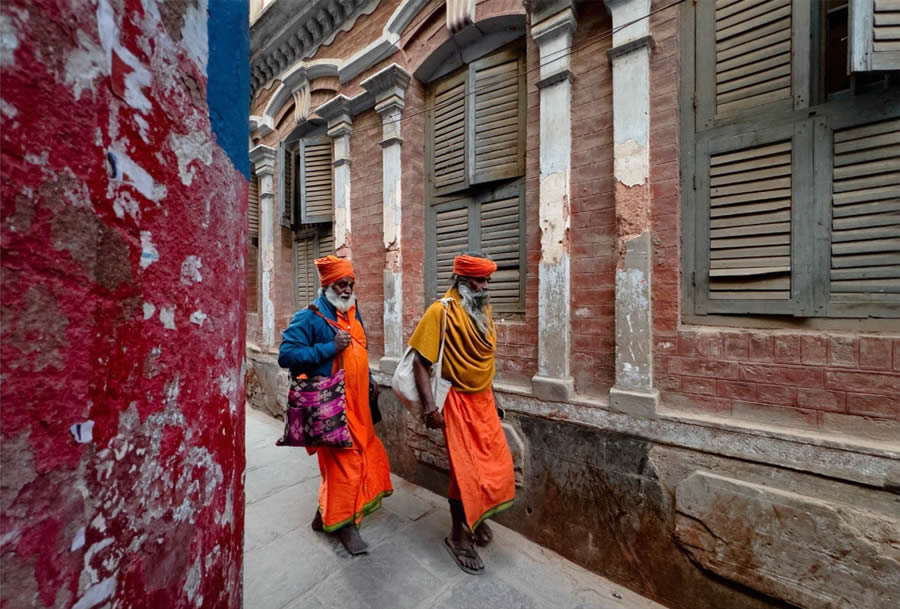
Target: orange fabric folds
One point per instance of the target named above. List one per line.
(481, 467)
(354, 480)
(332, 268)
(468, 355)
(473, 266)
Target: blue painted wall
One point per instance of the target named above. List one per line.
(228, 77)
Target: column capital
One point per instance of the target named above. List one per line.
(551, 26)
(338, 114)
(388, 86)
(263, 160)
(629, 19)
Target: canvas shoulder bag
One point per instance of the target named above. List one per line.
(404, 380)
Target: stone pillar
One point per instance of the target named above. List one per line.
(553, 35)
(633, 392)
(263, 160)
(389, 87)
(340, 126)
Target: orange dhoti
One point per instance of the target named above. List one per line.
(355, 479)
(481, 467)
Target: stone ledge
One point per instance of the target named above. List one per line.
(635, 403)
(552, 389)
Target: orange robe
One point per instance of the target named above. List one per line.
(354, 480)
(481, 467)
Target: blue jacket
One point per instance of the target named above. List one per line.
(307, 344)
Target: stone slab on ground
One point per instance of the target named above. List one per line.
(289, 566)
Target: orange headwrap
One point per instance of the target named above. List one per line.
(473, 266)
(332, 268)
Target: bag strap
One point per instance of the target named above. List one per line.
(440, 360)
(336, 328)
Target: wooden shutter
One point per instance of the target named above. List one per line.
(874, 35)
(497, 105)
(865, 239)
(326, 241)
(752, 63)
(252, 277)
(317, 179)
(501, 229)
(287, 196)
(253, 207)
(448, 236)
(446, 142)
(305, 278)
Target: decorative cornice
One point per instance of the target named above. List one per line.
(391, 81)
(555, 78)
(263, 160)
(563, 22)
(337, 109)
(261, 126)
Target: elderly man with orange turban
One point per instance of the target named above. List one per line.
(323, 337)
(481, 469)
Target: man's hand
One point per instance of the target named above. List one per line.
(434, 420)
(341, 340)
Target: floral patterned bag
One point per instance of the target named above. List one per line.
(317, 413)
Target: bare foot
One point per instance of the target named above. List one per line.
(349, 536)
(464, 554)
(483, 534)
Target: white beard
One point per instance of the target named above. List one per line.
(339, 302)
(474, 304)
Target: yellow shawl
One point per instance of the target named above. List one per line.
(468, 355)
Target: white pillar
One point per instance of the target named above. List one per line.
(263, 159)
(633, 391)
(389, 87)
(553, 34)
(340, 126)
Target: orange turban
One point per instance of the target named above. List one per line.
(473, 266)
(332, 268)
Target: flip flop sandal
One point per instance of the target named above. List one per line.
(484, 537)
(458, 553)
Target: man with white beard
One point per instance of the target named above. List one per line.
(482, 482)
(322, 338)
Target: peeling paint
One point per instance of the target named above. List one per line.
(190, 270)
(96, 594)
(167, 317)
(84, 65)
(149, 309)
(632, 163)
(83, 432)
(198, 317)
(149, 255)
(194, 146)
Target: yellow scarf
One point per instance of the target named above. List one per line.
(468, 355)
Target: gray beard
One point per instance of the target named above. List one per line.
(341, 304)
(474, 304)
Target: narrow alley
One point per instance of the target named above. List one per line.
(289, 566)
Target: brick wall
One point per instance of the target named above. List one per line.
(593, 221)
(413, 196)
(367, 226)
(834, 381)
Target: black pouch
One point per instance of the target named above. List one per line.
(373, 404)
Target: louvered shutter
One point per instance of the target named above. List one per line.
(750, 188)
(865, 239)
(287, 196)
(446, 142)
(752, 58)
(449, 235)
(317, 181)
(497, 105)
(305, 278)
(874, 35)
(253, 207)
(326, 241)
(501, 231)
(252, 277)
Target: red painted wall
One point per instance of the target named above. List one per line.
(122, 312)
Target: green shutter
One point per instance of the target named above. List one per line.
(287, 194)
(449, 235)
(305, 278)
(502, 236)
(253, 207)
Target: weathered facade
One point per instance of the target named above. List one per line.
(693, 207)
(124, 187)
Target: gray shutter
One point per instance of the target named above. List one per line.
(497, 107)
(446, 141)
(750, 190)
(287, 186)
(753, 45)
(305, 278)
(502, 232)
(448, 235)
(317, 179)
(252, 277)
(874, 35)
(865, 240)
(326, 241)
(253, 207)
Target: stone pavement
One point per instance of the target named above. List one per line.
(289, 566)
